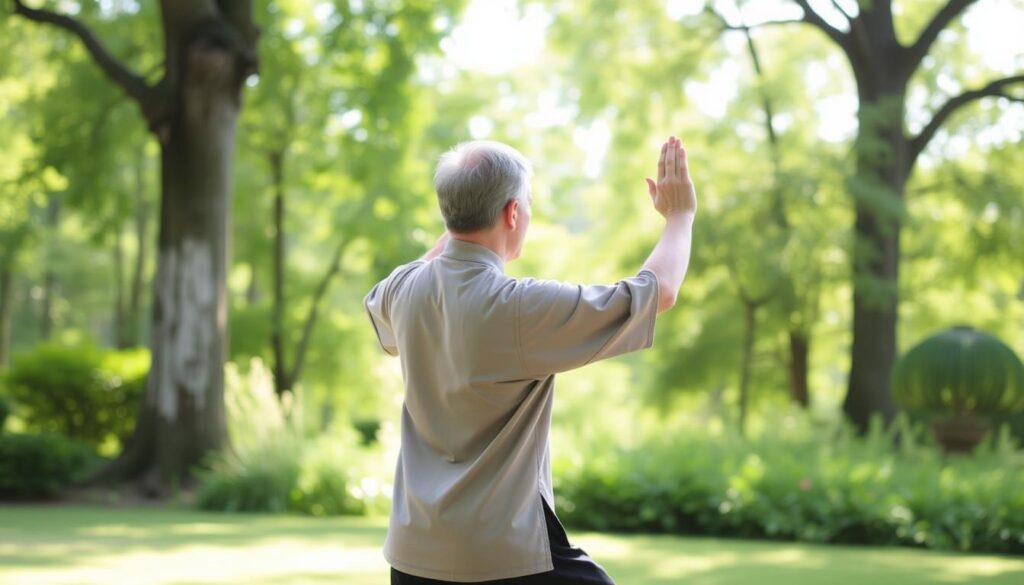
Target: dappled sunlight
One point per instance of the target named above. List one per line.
(64, 545)
(275, 559)
(666, 560)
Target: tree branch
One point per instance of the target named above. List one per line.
(239, 14)
(916, 52)
(839, 7)
(813, 18)
(132, 84)
(314, 308)
(994, 88)
(726, 25)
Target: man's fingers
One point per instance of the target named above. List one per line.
(670, 160)
(661, 161)
(652, 188)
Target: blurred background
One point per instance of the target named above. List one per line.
(186, 186)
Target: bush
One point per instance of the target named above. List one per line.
(843, 490)
(960, 371)
(258, 480)
(80, 392)
(315, 476)
(273, 466)
(37, 466)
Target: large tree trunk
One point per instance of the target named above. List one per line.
(183, 411)
(209, 51)
(184, 399)
(882, 67)
(877, 190)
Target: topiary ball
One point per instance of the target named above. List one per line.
(960, 371)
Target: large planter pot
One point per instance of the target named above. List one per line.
(960, 434)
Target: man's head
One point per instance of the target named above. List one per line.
(483, 189)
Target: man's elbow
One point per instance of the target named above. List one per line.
(666, 298)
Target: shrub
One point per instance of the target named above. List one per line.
(80, 392)
(805, 487)
(255, 480)
(37, 466)
(960, 371)
(124, 374)
(273, 466)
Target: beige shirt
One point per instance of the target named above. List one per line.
(479, 351)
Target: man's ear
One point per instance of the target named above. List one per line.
(511, 213)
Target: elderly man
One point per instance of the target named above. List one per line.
(473, 500)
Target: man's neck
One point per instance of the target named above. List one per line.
(489, 239)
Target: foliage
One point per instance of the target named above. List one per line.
(272, 466)
(792, 485)
(960, 371)
(252, 481)
(79, 391)
(36, 466)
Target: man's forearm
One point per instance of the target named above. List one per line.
(670, 257)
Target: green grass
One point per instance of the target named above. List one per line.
(65, 544)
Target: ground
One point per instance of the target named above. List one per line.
(78, 544)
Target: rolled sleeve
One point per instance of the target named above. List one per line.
(564, 326)
(378, 304)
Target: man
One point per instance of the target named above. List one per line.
(473, 501)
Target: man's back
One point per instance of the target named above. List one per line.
(478, 352)
(473, 499)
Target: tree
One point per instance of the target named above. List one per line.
(335, 116)
(209, 51)
(885, 154)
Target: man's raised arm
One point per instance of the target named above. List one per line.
(676, 200)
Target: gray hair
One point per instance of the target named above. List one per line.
(475, 180)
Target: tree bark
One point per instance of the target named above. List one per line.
(799, 358)
(877, 189)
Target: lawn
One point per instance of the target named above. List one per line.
(68, 544)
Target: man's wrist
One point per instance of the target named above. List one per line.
(680, 216)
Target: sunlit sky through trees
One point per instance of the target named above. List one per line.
(496, 36)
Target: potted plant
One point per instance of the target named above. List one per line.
(961, 375)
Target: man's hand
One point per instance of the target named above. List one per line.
(673, 193)
(438, 247)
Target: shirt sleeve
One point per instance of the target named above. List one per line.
(378, 305)
(564, 326)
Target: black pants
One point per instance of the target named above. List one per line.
(572, 565)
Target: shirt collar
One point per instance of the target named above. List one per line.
(470, 252)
